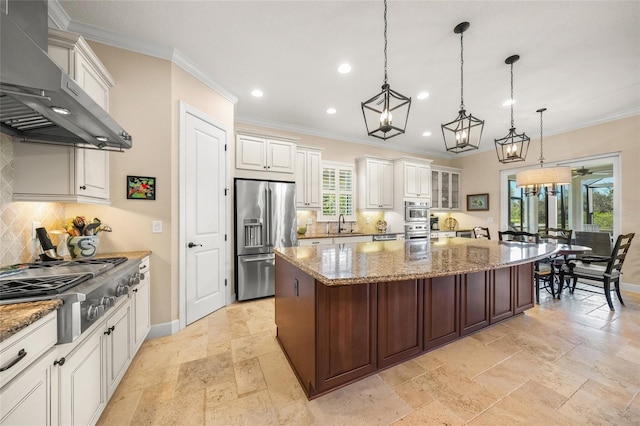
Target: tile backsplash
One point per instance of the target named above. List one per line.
(366, 222)
(16, 219)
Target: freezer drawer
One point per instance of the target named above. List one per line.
(256, 276)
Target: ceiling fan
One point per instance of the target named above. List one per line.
(583, 171)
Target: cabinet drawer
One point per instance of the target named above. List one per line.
(21, 349)
(315, 241)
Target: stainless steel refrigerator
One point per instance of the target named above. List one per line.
(265, 214)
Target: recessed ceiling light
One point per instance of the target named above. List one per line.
(427, 133)
(423, 95)
(344, 69)
(509, 102)
(60, 110)
(257, 93)
(331, 111)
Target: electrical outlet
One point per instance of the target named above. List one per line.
(156, 226)
(309, 221)
(34, 226)
(367, 220)
(489, 219)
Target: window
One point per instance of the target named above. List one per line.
(338, 192)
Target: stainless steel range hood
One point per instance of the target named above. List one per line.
(33, 88)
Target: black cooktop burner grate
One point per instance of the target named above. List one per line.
(36, 287)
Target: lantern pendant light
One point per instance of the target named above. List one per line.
(463, 133)
(545, 177)
(386, 114)
(512, 147)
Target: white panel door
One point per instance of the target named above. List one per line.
(205, 218)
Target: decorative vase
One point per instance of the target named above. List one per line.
(83, 246)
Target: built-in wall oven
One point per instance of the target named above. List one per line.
(417, 231)
(416, 211)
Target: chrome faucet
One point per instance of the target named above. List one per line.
(340, 229)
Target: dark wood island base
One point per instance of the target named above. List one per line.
(334, 335)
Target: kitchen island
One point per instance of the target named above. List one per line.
(346, 311)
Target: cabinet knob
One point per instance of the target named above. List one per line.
(83, 187)
(109, 330)
(60, 362)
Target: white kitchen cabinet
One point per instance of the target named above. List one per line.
(308, 175)
(26, 382)
(353, 239)
(141, 303)
(265, 154)
(118, 346)
(375, 183)
(445, 188)
(82, 381)
(412, 179)
(62, 173)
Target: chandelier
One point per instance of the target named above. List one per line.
(463, 133)
(514, 146)
(545, 177)
(386, 114)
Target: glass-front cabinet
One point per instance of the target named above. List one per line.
(445, 188)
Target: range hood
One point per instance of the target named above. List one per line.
(39, 102)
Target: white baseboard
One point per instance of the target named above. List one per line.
(633, 288)
(165, 329)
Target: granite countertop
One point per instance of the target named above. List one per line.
(360, 263)
(17, 316)
(345, 234)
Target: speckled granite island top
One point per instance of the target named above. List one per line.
(361, 263)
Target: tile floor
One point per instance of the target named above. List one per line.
(564, 362)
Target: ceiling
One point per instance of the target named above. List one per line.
(579, 59)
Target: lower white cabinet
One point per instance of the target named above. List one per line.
(353, 239)
(141, 303)
(118, 346)
(25, 400)
(315, 242)
(335, 240)
(82, 390)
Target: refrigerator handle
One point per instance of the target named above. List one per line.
(267, 221)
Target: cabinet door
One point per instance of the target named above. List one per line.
(399, 321)
(142, 311)
(441, 308)
(435, 189)
(424, 181)
(411, 180)
(474, 302)
(373, 184)
(82, 385)
(118, 338)
(280, 156)
(92, 173)
(313, 178)
(523, 274)
(455, 191)
(386, 185)
(445, 185)
(347, 333)
(88, 78)
(502, 297)
(300, 177)
(26, 400)
(251, 153)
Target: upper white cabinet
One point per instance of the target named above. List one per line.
(445, 187)
(308, 174)
(412, 179)
(67, 174)
(265, 154)
(375, 183)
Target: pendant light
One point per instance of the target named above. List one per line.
(386, 114)
(463, 133)
(512, 147)
(545, 177)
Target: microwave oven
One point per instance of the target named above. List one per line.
(416, 211)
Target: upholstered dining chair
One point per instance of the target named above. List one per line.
(543, 271)
(480, 232)
(604, 269)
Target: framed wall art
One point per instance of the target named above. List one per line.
(141, 188)
(477, 202)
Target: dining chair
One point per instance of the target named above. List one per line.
(479, 232)
(604, 269)
(543, 270)
(558, 236)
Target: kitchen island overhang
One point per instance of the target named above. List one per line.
(346, 311)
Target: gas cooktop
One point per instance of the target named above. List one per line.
(51, 278)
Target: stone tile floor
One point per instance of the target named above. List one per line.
(564, 362)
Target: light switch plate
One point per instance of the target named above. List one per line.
(156, 226)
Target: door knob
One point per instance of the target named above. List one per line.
(192, 245)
